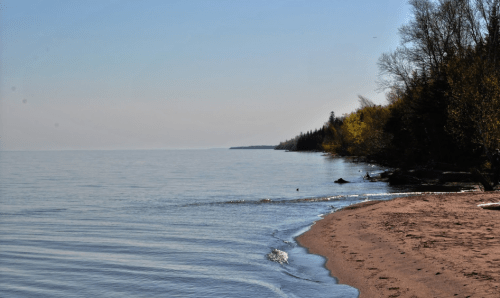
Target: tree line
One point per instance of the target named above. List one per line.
(443, 92)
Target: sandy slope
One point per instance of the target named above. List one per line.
(425, 246)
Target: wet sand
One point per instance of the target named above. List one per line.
(423, 246)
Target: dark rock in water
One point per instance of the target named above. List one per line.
(426, 176)
(385, 174)
(399, 177)
(341, 181)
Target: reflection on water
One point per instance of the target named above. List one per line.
(173, 223)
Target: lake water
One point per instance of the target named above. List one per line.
(170, 223)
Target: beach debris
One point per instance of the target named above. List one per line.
(490, 206)
(340, 180)
(278, 256)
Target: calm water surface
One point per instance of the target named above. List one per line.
(169, 223)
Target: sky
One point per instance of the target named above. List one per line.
(109, 74)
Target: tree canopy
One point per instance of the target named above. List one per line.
(443, 92)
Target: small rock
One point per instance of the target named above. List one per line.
(341, 181)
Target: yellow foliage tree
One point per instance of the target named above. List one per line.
(335, 140)
(354, 127)
(363, 131)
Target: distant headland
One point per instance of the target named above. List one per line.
(255, 147)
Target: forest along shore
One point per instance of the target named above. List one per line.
(423, 246)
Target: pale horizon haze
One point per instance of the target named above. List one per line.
(85, 75)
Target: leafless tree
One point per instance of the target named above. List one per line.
(437, 31)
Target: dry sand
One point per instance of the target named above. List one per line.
(423, 246)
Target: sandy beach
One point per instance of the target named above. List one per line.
(423, 246)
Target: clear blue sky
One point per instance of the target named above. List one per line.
(185, 74)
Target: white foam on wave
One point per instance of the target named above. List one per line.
(278, 256)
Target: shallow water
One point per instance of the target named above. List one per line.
(170, 223)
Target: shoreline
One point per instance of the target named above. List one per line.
(439, 245)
